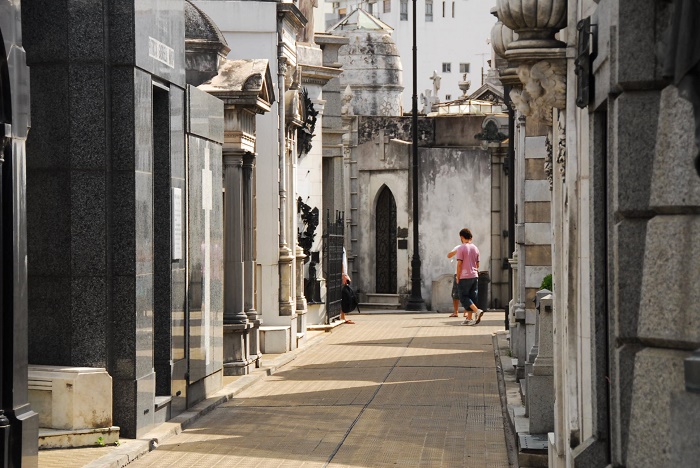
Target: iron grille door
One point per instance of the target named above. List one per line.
(386, 243)
(333, 260)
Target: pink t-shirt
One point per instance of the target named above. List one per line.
(469, 254)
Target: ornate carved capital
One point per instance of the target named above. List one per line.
(561, 145)
(282, 66)
(544, 88)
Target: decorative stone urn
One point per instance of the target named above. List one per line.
(535, 21)
(501, 37)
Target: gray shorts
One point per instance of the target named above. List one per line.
(455, 288)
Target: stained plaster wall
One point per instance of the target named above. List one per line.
(374, 174)
(454, 193)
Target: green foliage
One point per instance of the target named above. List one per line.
(100, 441)
(547, 283)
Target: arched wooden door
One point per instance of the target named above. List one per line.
(385, 242)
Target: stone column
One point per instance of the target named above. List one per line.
(236, 323)
(286, 303)
(233, 239)
(249, 258)
(541, 382)
(519, 313)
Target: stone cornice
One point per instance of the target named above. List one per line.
(320, 75)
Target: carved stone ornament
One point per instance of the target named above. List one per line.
(544, 88)
(535, 21)
(548, 167)
(305, 133)
(490, 133)
(561, 145)
(346, 108)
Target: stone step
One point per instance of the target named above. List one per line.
(162, 409)
(377, 298)
(369, 306)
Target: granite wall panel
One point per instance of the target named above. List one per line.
(49, 312)
(48, 222)
(122, 228)
(628, 245)
(123, 102)
(88, 325)
(122, 33)
(88, 220)
(87, 30)
(48, 142)
(86, 118)
(123, 332)
(634, 146)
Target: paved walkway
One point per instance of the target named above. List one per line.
(393, 390)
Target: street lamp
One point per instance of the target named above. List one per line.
(415, 302)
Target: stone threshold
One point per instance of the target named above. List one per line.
(74, 438)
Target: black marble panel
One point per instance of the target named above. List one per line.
(48, 142)
(88, 231)
(49, 312)
(143, 121)
(143, 229)
(144, 325)
(89, 324)
(205, 258)
(145, 403)
(179, 296)
(160, 38)
(123, 229)
(48, 222)
(87, 116)
(123, 333)
(123, 103)
(177, 132)
(205, 115)
(19, 84)
(162, 240)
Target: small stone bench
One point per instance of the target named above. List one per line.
(72, 400)
(275, 339)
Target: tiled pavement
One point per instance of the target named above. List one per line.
(392, 390)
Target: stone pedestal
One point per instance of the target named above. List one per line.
(534, 350)
(541, 381)
(237, 359)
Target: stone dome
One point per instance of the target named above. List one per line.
(371, 65)
(205, 45)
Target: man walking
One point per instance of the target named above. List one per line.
(468, 277)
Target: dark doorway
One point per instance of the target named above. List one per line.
(386, 242)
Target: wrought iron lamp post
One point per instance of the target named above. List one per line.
(415, 302)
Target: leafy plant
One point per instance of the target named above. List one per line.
(547, 283)
(100, 441)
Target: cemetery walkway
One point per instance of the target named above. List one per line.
(392, 390)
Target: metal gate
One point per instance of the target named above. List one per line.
(385, 243)
(333, 263)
